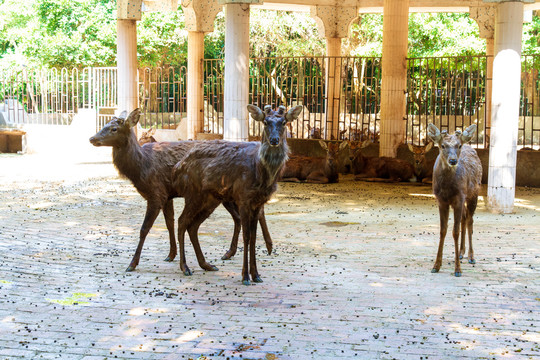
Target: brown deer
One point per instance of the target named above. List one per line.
(423, 168)
(147, 137)
(457, 178)
(314, 133)
(381, 169)
(319, 170)
(149, 169)
(242, 173)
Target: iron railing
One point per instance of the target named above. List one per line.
(449, 91)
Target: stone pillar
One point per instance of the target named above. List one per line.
(333, 87)
(199, 17)
(195, 84)
(236, 91)
(394, 75)
(505, 107)
(127, 65)
(485, 18)
(333, 24)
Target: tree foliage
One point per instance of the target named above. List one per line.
(83, 33)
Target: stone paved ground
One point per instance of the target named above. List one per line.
(350, 276)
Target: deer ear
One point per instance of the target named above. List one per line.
(133, 118)
(428, 146)
(411, 147)
(256, 113)
(467, 135)
(293, 113)
(323, 145)
(366, 143)
(343, 145)
(434, 133)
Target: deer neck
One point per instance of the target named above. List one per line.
(129, 159)
(271, 159)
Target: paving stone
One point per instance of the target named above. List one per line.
(349, 278)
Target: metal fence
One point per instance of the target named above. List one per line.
(43, 96)
(448, 91)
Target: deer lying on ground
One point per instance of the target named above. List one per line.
(319, 170)
(381, 169)
(314, 133)
(147, 137)
(457, 178)
(242, 173)
(423, 168)
(149, 169)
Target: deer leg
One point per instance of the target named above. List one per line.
(233, 210)
(246, 237)
(471, 207)
(317, 178)
(265, 232)
(193, 230)
(183, 221)
(443, 215)
(152, 211)
(168, 213)
(462, 246)
(252, 250)
(458, 212)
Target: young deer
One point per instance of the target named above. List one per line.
(423, 168)
(382, 169)
(243, 173)
(147, 137)
(149, 169)
(319, 170)
(457, 178)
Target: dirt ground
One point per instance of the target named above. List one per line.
(350, 276)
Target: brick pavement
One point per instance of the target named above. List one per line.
(350, 276)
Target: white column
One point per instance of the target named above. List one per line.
(127, 65)
(489, 84)
(236, 92)
(505, 107)
(195, 95)
(333, 89)
(394, 75)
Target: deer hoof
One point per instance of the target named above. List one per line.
(457, 273)
(188, 272)
(257, 279)
(227, 256)
(460, 257)
(130, 268)
(169, 258)
(434, 270)
(211, 268)
(472, 261)
(246, 282)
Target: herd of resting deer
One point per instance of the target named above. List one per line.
(242, 176)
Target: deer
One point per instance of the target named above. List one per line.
(314, 133)
(381, 169)
(243, 173)
(147, 137)
(149, 170)
(317, 170)
(457, 178)
(423, 168)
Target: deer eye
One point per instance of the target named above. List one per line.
(442, 146)
(114, 129)
(460, 146)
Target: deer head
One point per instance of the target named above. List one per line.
(275, 122)
(450, 145)
(117, 131)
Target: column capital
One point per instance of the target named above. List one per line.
(160, 5)
(485, 18)
(334, 21)
(200, 14)
(129, 9)
(226, 2)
